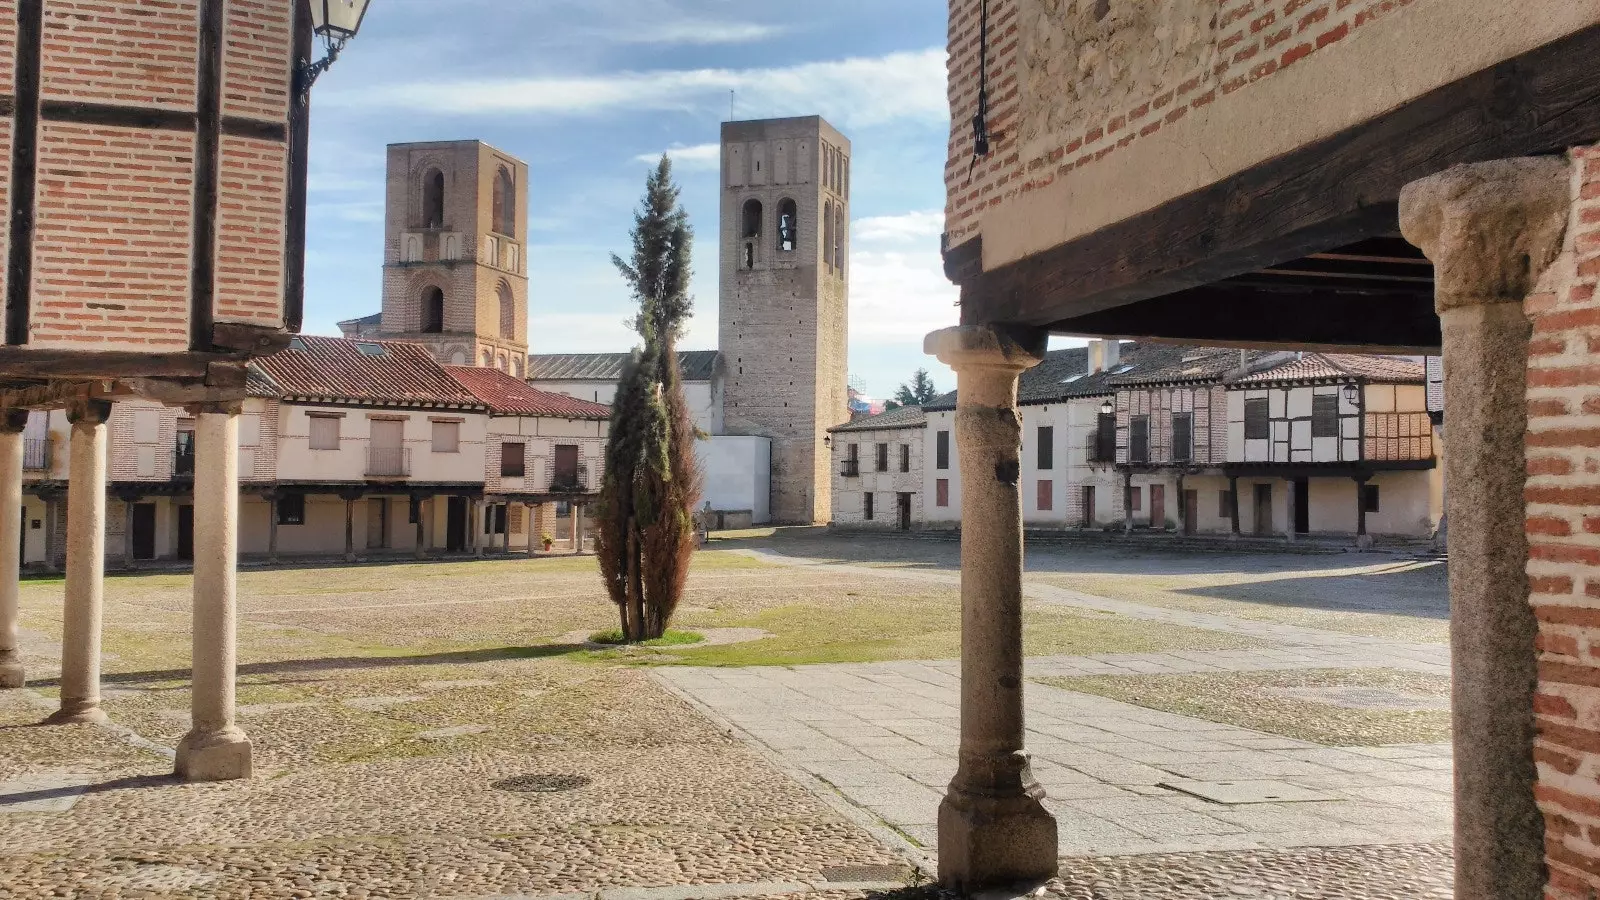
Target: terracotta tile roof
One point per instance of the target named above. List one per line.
(1064, 374)
(695, 365)
(378, 371)
(513, 396)
(1341, 367)
(904, 417)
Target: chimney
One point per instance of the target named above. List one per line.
(1104, 355)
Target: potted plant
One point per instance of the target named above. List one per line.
(548, 541)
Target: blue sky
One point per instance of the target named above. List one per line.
(589, 92)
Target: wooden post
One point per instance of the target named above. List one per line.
(1127, 503)
(1233, 504)
(272, 526)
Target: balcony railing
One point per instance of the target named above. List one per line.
(1398, 436)
(1101, 451)
(183, 460)
(850, 468)
(388, 462)
(36, 455)
(571, 481)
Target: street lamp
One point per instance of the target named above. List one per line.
(1106, 408)
(336, 22)
(1352, 394)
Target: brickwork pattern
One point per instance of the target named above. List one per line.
(1128, 93)
(111, 258)
(256, 58)
(8, 48)
(122, 51)
(250, 231)
(1563, 523)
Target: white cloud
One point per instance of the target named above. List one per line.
(922, 226)
(899, 297)
(697, 157)
(694, 32)
(852, 92)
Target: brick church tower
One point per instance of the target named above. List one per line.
(785, 298)
(455, 262)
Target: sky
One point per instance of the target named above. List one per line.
(590, 93)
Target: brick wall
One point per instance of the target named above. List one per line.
(1563, 522)
(1070, 117)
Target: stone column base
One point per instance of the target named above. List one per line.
(1363, 542)
(214, 755)
(989, 842)
(11, 674)
(78, 713)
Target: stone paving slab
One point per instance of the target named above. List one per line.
(1102, 762)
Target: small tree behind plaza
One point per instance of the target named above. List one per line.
(645, 534)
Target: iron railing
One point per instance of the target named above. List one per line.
(572, 481)
(183, 459)
(389, 462)
(1101, 450)
(36, 455)
(850, 468)
(1398, 436)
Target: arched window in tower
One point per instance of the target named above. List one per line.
(788, 226)
(508, 311)
(838, 237)
(433, 310)
(752, 218)
(488, 359)
(433, 199)
(505, 202)
(827, 234)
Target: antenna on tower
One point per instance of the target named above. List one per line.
(731, 94)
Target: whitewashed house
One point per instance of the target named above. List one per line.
(878, 470)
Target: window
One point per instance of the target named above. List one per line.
(1047, 495)
(838, 237)
(1139, 439)
(905, 457)
(508, 311)
(512, 464)
(1047, 448)
(1257, 424)
(1225, 504)
(368, 349)
(788, 226)
(752, 218)
(433, 310)
(292, 509)
(883, 458)
(941, 492)
(1136, 498)
(1105, 439)
(941, 450)
(566, 475)
(324, 432)
(1182, 437)
(1369, 498)
(494, 518)
(505, 202)
(866, 506)
(852, 461)
(447, 437)
(433, 199)
(1325, 416)
(827, 233)
(488, 358)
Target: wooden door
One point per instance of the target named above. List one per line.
(1191, 501)
(1088, 506)
(144, 530)
(905, 512)
(456, 525)
(1302, 506)
(1158, 506)
(1263, 509)
(186, 532)
(377, 523)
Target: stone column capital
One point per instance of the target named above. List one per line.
(13, 421)
(89, 411)
(1490, 228)
(1004, 350)
(215, 408)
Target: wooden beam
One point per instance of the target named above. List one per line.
(20, 362)
(1230, 315)
(29, 51)
(1324, 195)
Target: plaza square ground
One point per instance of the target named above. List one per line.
(1205, 723)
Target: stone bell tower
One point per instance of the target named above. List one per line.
(785, 290)
(455, 253)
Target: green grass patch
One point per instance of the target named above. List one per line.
(672, 638)
(1287, 703)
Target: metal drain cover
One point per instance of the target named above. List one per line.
(864, 873)
(1234, 793)
(543, 784)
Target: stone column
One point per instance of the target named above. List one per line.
(1127, 503)
(215, 749)
(993, 829)
(1491, 229)
(86, 563)
(272, 526)
(349, 528)
(577, 529)
(12, 423)
(422, 519)
(475, 508)
(1363, 540)
(527, 526)
(51, 514)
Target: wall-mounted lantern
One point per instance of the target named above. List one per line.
(336, 22)
(1106, 408)
(1352, 394)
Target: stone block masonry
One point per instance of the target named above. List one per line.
(1563, 524)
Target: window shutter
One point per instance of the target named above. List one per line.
(324, 433)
